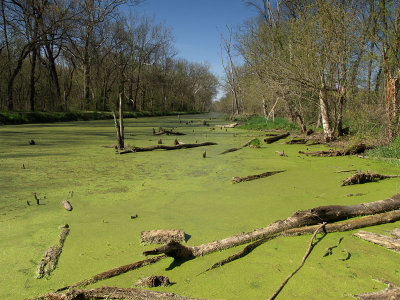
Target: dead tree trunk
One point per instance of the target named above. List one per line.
(329, 214)
(276, 138)
(165, 147)
(119, 125)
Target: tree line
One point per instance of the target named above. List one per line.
(59, 55)
(318, 62)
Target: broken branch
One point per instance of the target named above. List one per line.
(276, 138)
(391, 243)
(253, 177)
(361, 177)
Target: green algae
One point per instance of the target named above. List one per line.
(177, 190)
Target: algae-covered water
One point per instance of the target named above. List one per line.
(178, 190)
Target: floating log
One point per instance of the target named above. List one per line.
(165, 147)
(228, 126)
(162, 236)
(361, 177)
(114, 272)
(296, 142)
(273, 139)
(153, 281)
(356, 149)
(392, 243)
(241, 147)
(253, 177)
(392, 292)
(112, 293)
(331, 213)
(167, 132)
(51, 256)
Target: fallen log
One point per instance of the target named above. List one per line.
(366, 221)
(162, 236)
(112, 293)
(233, 125)
(361, 177)
(356, 149)
(273, 139)
(165, 147)
(253, 177)
(395, 232)
(296, 142)
(241, 147)
(329, 214)
(113, 272)
(392, 292)
(281, 153)
(51, 256)
(162, 131)
(391, 243)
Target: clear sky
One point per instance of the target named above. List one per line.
(197, 25)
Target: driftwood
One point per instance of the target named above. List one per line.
(233, 125)
(310, 247)
(361, 177)
(296, 141)
(51, 256)
(392, 243)
(392, 292)
(112, 293)
(153, 281)
(253, 177)
(366, 221)
(281, 153)
(165, 147)
(395, 232)
(162, 236)
(331, 213)
(114, 272)
(356, 149)
(241, 147)
(167, 132)
(273, 139)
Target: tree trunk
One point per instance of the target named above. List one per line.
(323, 103)
(329, 214)
(32, 91)
(264, 105)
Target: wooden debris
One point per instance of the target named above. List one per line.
(67, 205)
(162, 236)
(165, 147)
(253, 177)
(32, 142)
(361, 177)
(114, 272)
(329, 249)
(160, 141)
(392, 292)
(233, 125)
(356, 194)
(112, 293)
(356, 149)
(330, 214)
(296, 142)
(36, 198)
(204, 154)
(366, 221)
(134, 217)
(310, 247)
(241, 147)
(281, 153)
(51, 256)
(348, 255)
(392, 243)
(273, 139)
(167, 132)
(395, 232)
(153, 281)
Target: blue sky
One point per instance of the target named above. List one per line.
(197, 24)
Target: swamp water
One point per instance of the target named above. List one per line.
(178, 190)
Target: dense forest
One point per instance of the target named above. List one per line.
(332, 63)
(81, 54)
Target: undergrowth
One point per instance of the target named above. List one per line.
(391, 151)
(258, 123)
(14, 118)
